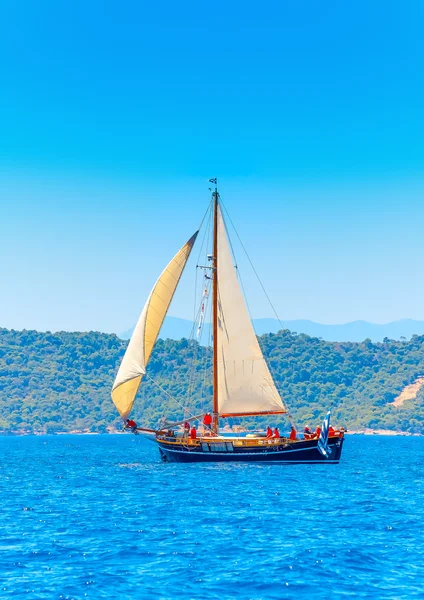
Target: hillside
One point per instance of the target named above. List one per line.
(61, 382)
(409, 392)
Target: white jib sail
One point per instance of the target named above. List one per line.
(137, 355)
(245, 384)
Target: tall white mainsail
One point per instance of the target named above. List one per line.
(245, 385)
(137, 355)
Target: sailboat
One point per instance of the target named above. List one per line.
(242, 382)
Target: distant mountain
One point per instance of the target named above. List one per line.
(173, 329)
(356, 331)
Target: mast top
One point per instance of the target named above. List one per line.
(214, 180)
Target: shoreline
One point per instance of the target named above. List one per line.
(390, 432)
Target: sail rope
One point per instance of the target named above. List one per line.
(205, 365)
(162, 389)
(195, 304)
(207, 214)
(207, 230)
(197, 314)
(207, 312)
(208, 211)
(193, 344)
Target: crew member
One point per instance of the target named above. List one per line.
(193, 433)
(268, 432)
(331, 432)
(207, 421)
(131, 425)
(293, 433)
(276, 434)
(307, 433)
(186, 429)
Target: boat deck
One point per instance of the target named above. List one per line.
(235, 441)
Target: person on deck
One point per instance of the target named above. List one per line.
(293, 433)
(307, 433)
(318, 432)
(207, 421)
(268, 432)
(276, 434)
(331, 432)
(193, 433)
(186, 429)
(131, 425)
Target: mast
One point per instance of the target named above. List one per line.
(215, 422)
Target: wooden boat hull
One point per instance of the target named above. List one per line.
(230, 450)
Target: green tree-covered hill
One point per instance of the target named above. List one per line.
(62, 381)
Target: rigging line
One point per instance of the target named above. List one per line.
(195, 346)
(208, 209)
(194, 343)
(185, 409)
(195, 297)
(254, 270)
(209, 229)
(208, 213)
(204, 349)
(205, 366)
(191, 372)
(205, 301)
(206, 233)
(197, 316)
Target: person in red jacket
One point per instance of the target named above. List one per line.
(130, 424)
(293, 433)
(268, 432)
(193, 433)
(276, 434)
(207, 421)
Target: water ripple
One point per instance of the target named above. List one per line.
(103, 517)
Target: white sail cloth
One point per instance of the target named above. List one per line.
(245, 384)
(137, 355)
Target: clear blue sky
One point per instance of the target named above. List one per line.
(114, 114)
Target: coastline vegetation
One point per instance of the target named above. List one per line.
(61, 382)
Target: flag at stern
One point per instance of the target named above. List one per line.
(323, 447)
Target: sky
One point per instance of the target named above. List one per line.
(114, 115)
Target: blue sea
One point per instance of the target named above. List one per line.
(103, 517)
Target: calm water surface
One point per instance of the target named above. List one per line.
(102, 517)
